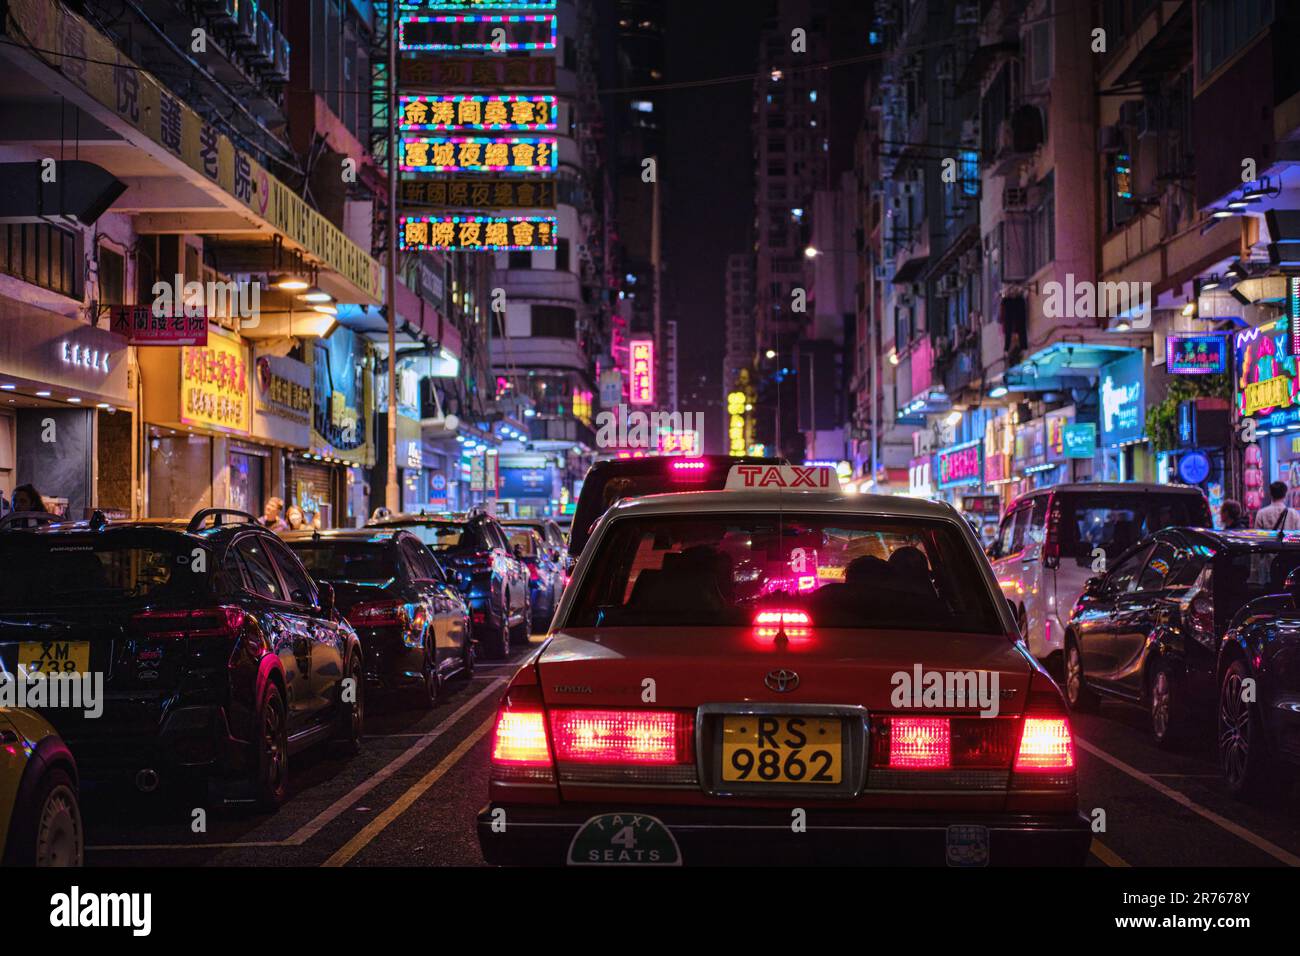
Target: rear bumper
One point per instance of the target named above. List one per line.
(132, 736)
(390, 662)
(543, 836)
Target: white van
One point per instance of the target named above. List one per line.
(1052, 540)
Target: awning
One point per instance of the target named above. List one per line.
(911, 270)
(183, 174)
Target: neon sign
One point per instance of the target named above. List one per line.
(523, 114)
(476, 154)
(960, 465)
(1265, 371)
(1196, 354)
(478, 233)
(473, 32)
(641, 366)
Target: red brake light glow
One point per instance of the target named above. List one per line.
(920, 743)
(688, 465)
(520, 739)
(378, 614)
(1045, 744)
(223, 621)
(790, 617)
(622, 736)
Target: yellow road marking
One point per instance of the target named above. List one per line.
(1106, 854)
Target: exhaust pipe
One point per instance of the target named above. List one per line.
(146, 781)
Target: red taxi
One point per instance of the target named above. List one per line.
(778, 673)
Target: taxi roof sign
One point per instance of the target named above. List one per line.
(778, 477)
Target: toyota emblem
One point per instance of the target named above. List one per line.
(781, 680)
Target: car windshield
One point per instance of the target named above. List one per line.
(40, 571)
(527, 542)
(843, 571)
(446, 535)
(361, 561)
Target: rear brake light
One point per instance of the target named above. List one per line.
(688, 465)
(222, 621)
(378, 614)
(772, 617)
(1052, 543)
(622, 736)
(920, 743)
(689, 469)
(519, 745)
(1045, 744)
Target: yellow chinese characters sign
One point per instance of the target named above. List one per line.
(214, 385)
(1271, 393)
(483, 233)
(524, 114)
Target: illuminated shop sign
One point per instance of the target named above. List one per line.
(478, 193)
(508, 113)
(736, 430)
(998, 441)
(960, 465)
(1265, 372)
(641, 354)
(1031, 445)
(1293, 311)
(477, 73)
(1122, 408)
(1196, 354)
(96, 360)
(453, 33)
(140, 327)
(214, 385)
(1080, 439)
(476, 154)
(479, 233)
(1056, 423)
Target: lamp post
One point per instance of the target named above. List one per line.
(391, 492)
(774, 354)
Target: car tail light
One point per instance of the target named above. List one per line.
(1045, 744)
(378, 614)
(775, 617)
(1052, 542)
(920, 743)
(689, 469)
(622, 736)
(520, 749)
(222, 621)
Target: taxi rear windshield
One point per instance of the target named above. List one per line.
(849, 572)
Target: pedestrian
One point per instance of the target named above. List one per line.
(297, 521)
(1231, 516)
(1277, 516)
(27, 498)
(271, 515)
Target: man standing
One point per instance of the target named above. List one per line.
(271, 515)
(1231, 517)
(1277, 516)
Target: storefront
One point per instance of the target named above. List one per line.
(281, 424)
(331, 479)
(66, 412)
(1266, 392)
(1122, 396)
(530, 483)
(959, 467)
(999, 443)
(1029, 455)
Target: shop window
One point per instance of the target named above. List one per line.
(112, 277)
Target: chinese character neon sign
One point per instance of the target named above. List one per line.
(472, 32)
(522, 114)
(477, 154)
(641, 354)
(479, 233)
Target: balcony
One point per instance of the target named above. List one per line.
(539, 353)
(567, 430)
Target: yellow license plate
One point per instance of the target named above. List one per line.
(760, 748)
(54, 657)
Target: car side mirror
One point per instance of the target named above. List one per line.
(1094, 587)
(327, 599)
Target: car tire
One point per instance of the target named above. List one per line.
(48, 830)
(1243, 756)
(1077, 693)
(429, 693)
(1167, 706)
(497, 643)
(468, 652)
(271, 785)
(352, 716)
(526, 621)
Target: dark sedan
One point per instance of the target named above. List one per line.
(546, 574)
(1150, 630)
(1259, 687)
(413, 624)
(480, 562)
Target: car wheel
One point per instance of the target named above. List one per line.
(468, 653)
(526, 621)
(430, 691)
(498, 642)
(1077, 693)
(352, 714)
(1243, 759)
(48, 832)
(272, 782)
(1167, 706)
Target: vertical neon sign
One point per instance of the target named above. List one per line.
(641, 353)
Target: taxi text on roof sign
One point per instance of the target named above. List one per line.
(794, 477)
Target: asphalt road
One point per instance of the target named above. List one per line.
(410, 799)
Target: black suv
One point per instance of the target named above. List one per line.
(476, 554)
(414, 625)
(219, 656)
